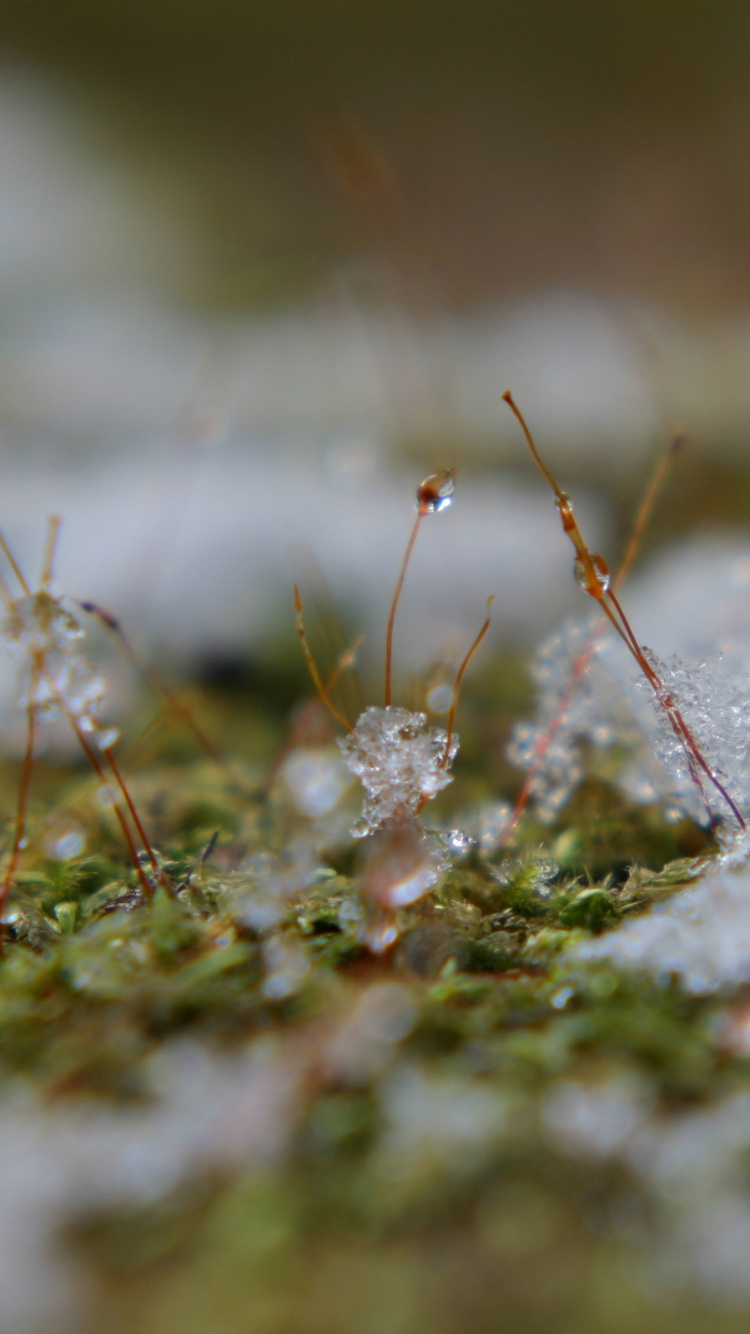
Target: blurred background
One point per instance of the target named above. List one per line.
(264, 265)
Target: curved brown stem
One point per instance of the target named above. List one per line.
(394, 606)
(22, 808)
(597, 586)
(459, 679)
(100, 772)
(312, 666)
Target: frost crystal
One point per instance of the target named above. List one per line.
(715, 704)
(596, 714)
(580, 705)
(55, 676)
(702, 935)
(400, 763)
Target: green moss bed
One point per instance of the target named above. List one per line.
(416, 1179)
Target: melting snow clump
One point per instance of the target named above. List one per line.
(400, 763)
(702, 935)
(715, 703)
(55, 677)
(581, 703)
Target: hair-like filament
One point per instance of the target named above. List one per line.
(312, 666)
(100, 772)
(459, 678)
(346, 662)
(24, 787)
(434, 495)
(13, 564)
(99, 765)
(675, 446)
(394, 606)
(593, 576)
(53, 533)
(171, 699)
(640, 523)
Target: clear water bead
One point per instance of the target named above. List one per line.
(436, 492)
(440, 698)
(381, 933)
(106, 737)
(316, 780)
(598, 569)
(106, 798)
(401, 865)
(66, 844)
(458, 843)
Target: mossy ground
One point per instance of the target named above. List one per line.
(344, 1233)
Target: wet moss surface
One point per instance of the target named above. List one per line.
(418, 1186)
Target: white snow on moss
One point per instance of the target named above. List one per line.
(701, 936)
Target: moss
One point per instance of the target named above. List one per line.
(359, 1224)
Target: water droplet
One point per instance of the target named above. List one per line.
(349, 912)
(106, 798)
(107, 737)
(400, 867)
(436, 492)
(66, 914)
(673, 814)
(287, 969)
(316, 779)
(67, 844)
(592, 576)
(561, 998)
(381, 933)
(440, 699)
(458, 842)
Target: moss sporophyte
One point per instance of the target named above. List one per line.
(56, 681)
(401, 763)
(408, 1042)
(593, 576)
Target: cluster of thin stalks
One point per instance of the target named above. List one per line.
(434, 495)
(593, 576)
(101, 758)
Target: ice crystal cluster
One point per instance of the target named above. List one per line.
(582, 703)
(56, 678)
(714, 700)
(400, 762)
(593, 699)
(701, 936)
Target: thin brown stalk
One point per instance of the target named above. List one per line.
(593, 576)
